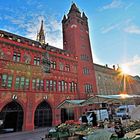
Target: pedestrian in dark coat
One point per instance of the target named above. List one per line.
(94, 119)
(84, 118)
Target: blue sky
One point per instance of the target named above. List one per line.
(114, 26)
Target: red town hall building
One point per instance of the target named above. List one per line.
(36, 77)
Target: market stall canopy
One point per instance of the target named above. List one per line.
(119, 98)
(71, 103)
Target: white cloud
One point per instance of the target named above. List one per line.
(132, 29)
(133, 65)
(135, 61)
(109, 28)
(113, 5)
(53, 31)
(52, 28)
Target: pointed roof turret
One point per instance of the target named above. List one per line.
(84, 16)
(41, 35)
(74, 8)
(41, 29)
(64, 18)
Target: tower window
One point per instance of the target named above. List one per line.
(88, 88)
(85, 71)
(84, 57)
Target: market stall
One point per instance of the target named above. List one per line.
(71, 130)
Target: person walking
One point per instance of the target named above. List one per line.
(94, 119)
(84, 118)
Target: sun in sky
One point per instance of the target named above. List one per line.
(125, 69)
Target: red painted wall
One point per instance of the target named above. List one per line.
(30, 99)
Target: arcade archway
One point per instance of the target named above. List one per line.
(12, 116)
(43, 115)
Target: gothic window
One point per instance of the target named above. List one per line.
(36, 61)
(59, 86)
(33, 84)
(85, 71)
(50, 85)
(41, 84)
(54, 85)
(62, 86)
(22, 80)
(17, 83)
(37, 84)
(67, 67)
(72, 87)
(16, 57)
(27, 84)
(47, 85)
(53, 65)
(66, 86)
(6, 81)
(22, 83)
(88, 88)
(84, 57)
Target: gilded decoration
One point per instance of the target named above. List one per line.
(28, 70)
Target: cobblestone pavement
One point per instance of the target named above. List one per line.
(32, 135)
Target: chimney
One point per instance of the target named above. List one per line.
(114, 67)
(106, 65)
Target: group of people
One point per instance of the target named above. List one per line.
(93, 119)
(114, 127)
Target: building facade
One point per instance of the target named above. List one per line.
(36, 77)
(111, 81)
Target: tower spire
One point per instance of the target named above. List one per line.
(74, 8)
(41, 35)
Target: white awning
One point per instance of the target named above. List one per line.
(119, 98)
(70, 103)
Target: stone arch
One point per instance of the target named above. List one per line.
(12, 111)
(43, 115)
